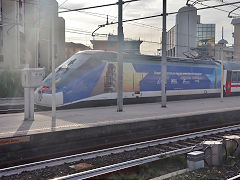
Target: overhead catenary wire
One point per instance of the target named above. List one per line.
(206, 7)
(113, 17)
(85, 33)
(172, 13)
(148, 17)
(62, 3)
(99, 6)
(103, 16)
(139, 24)
(145, 41)
(223, 1)
(77, 31)
(214, 8)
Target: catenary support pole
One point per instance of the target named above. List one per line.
(37, 27)
(164, 58)
(53, 70)
(120, 59)
(18, 34)
(222, 72)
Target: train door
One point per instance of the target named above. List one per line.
(228, 82)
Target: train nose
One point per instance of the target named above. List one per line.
(43, 97)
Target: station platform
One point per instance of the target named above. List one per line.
(85, 127)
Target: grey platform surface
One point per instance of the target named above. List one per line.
(12, 125)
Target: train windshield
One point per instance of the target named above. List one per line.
(66, 69)
(73, 62)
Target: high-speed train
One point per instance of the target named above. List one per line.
(89, 78)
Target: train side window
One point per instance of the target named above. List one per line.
(238, 77)
(234, 77)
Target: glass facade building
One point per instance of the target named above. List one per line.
(206, 39)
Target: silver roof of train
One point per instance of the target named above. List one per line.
(112, 54)
(231, 65)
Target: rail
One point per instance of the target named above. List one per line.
(83, 156)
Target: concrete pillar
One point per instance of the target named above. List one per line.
(31, 78)
(29, 104)
(195, 160)
(213, 152)
(232, 144)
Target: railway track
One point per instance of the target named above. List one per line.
(9, 111)
(140, 153)
(234, 178)
(11, 105)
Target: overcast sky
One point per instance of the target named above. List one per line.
(85, 22)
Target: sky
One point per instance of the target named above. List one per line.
(149, 30)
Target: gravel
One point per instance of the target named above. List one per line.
(65, 169)
(220, 173)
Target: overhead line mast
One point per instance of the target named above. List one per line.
(120, 59)
(164, 57)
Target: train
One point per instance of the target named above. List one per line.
(90, 78)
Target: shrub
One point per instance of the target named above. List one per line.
(10, 84)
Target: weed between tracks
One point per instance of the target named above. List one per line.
(219, 173)
(230, 168)
(149, 170)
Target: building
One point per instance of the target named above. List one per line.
(206, 40)
(236, 35)
(51, 28)
(224, 52)
(189, 37)
(27, 34)
(228, 52)
(182, 37)
(72, 48)
(172, 41)
(111, 43)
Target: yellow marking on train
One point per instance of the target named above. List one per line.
(58, 80)
(122, 120)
